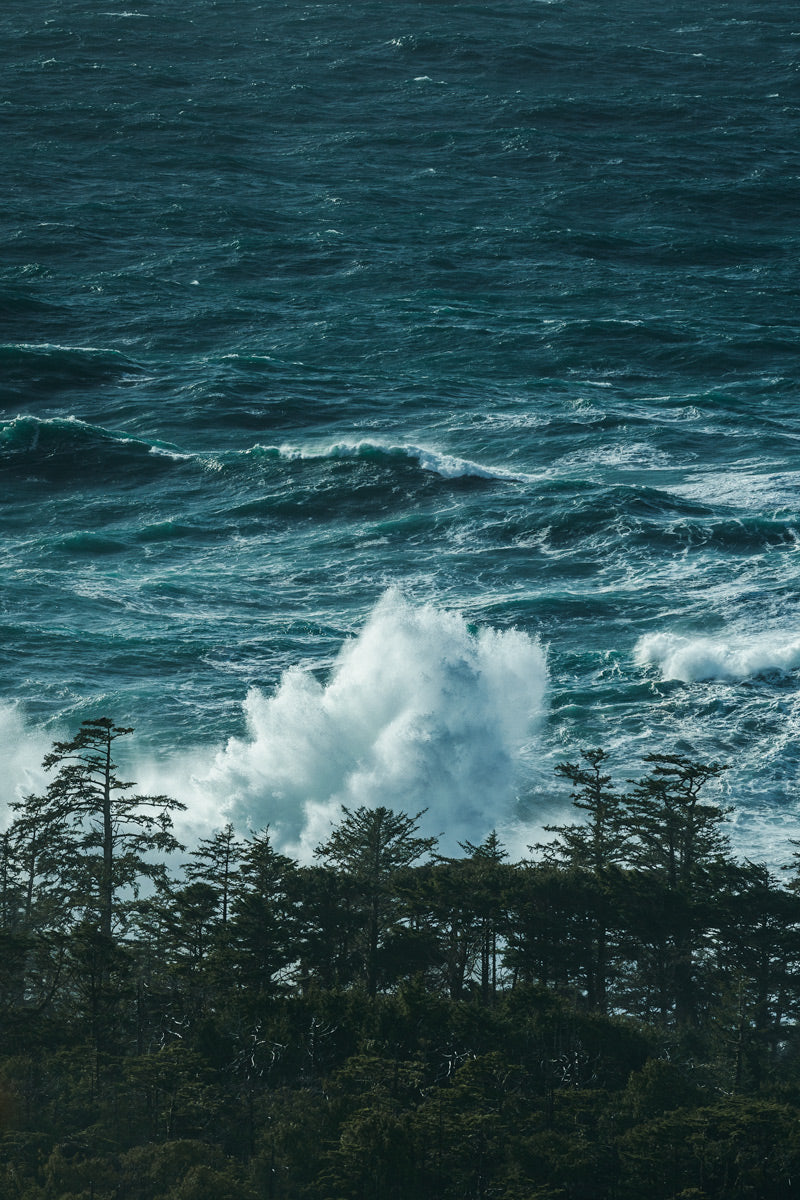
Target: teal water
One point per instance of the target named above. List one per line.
(461, 340)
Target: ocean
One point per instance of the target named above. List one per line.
(398, 399)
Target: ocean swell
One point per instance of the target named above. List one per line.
(63, 449)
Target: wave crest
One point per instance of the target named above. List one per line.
(62, 446)
(692, 660)
(448, 466)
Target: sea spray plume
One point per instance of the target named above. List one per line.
(23, 749)
(419, 712)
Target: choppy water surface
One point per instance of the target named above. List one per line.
(407, 393)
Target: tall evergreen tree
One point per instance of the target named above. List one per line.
(593, 851)
(43, 886)
(679, 840)
(116, 832)
(757, 944)
(601, 840)
(263, 927)
(216, 861)
(369, 846)
(50, 876)
(487, 880)
(679, 834)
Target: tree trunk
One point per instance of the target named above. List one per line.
(106, 881)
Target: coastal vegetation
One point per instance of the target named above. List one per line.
(613, 1017)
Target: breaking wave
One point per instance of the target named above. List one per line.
(448, 466)
(419, 712)
(694, 659)
(35, 439)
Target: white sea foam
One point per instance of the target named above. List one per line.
(693, 659)
(172, 454)
(754, 490)
(634, 456)
(38, 347)
(419, 712)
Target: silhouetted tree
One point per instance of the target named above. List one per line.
(679, 840)
(594, 851)
(263, 925)
(116, 832)
(216, 861)
(369, 846)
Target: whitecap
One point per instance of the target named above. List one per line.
(692, 659)
(752, 489)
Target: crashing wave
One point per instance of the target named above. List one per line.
(695, 659)
(419, 712)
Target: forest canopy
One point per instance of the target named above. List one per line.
(614, 1016)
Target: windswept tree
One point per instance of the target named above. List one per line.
(601, 839)
(120, 836)
(370, 846)
(680, 833)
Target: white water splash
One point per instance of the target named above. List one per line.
(23, 748)
(419, 712)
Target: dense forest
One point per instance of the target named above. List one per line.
(613, 1017)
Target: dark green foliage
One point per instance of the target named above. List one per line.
(614, 1019)
(368, 849)
(602, 839)
(112, 834)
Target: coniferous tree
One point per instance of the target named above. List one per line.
(329, 923)
(601, 840)
(370, 846)
(263, 925)
(50, 876)
(487, 880)
(116, 832)
(593, 851)
(216, 861)
(679, 840)
(679, 834)
(757, 959)
(437, 899)
(43, 882)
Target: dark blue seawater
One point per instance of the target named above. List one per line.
(398, 398)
